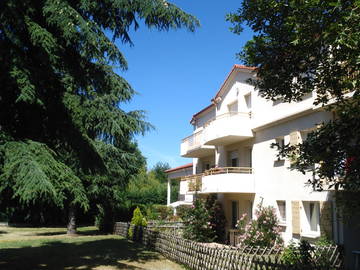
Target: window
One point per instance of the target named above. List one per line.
(250, 210)
(282, 210)
(234, 162)
(248, 101)
(280, 141)
(234, 213)
(234, 159)
(312, 212)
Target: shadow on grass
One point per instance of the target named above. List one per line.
(88, 255)
(49, 233)
(79, 233)
(3, 232)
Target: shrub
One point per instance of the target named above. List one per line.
(263, 231)
(217, 218)
(205, 221)
(138, 221)
(182, 211)
(197, 226)
(303, 254)
(164, 212)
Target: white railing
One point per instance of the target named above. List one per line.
(227, 115)
(226, 170)
(193, 140)
(195, 180)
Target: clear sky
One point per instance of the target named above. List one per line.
(176, 74)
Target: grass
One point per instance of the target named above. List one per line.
(51, 248)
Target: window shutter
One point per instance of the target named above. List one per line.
(326, 223)
(295, 210)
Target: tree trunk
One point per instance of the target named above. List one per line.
(71, 227)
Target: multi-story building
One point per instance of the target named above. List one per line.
(232, 158)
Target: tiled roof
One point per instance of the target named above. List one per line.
(179, 168)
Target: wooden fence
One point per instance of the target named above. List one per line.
(201, 256)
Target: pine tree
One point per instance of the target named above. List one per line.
(60, 97)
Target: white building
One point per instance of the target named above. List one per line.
(231, 153)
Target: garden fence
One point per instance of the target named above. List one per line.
(202, 256)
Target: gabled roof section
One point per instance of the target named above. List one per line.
(206, 109)
(233, 71)
(230, 75)
(189, 165)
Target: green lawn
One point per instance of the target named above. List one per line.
(51, 248)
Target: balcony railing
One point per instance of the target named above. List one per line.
(226, 170)
(227, 115)
(195, 181)
(193, 140)
(228, 128)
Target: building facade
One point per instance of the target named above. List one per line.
(232, 158)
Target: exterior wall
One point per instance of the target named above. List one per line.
(235, 92)
(275, 181)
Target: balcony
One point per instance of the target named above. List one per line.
(193, 146)
(223, 180)
(228, 128)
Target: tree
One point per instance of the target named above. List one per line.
(305, 46)
(159, 170)
(60, 97)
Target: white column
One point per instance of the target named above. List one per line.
(195, 166)
(168, 191)
(220, 156)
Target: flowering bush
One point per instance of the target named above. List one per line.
(262, 231)
(205, 221)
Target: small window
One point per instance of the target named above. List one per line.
(280, 141)
(282, 210)
(248, 101)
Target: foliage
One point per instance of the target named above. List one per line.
(138, 220)
(263, 231)
(217, 217)
(300, 47)
(159, 171)
(304, 254)
(198, 226)
(64, 137)
(163, 211)
(183, 210)
(204, 221)
(145, 188)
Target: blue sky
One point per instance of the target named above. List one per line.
(176, 74)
